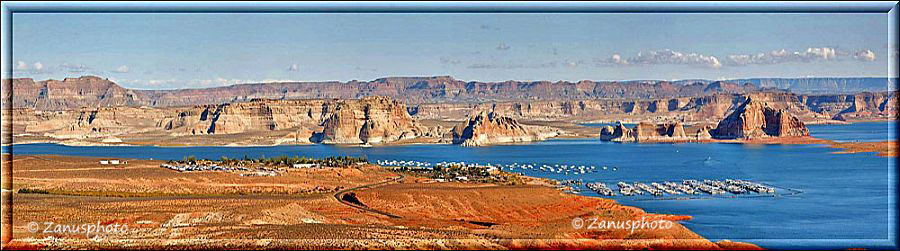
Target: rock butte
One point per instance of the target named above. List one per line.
(488, 128)
(756, 119)
(369, 120)
(753, 119)
(646, 132)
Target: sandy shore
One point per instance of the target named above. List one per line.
(882, 148)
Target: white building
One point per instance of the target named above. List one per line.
(305, 165)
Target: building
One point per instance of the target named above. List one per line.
(113, 162)
(305, 165)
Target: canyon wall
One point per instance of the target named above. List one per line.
(443, 97)
(712, 108)
(369, 120)
(91, 91)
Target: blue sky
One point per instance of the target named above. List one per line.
(164, 51)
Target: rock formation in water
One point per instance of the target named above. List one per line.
(704, 132)
(488, 128)
(645, 132)
(756, 119)
(867, 105)
(257, 115)
(617, 133)
(370, 120)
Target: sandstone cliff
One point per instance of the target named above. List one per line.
(868, 105)
(645, 132)
(370, 120)
(256, 115)
(91, 91)
(70, 93)
(617, 133)
(704, 132)
(757, 119)
(488, 128)
(446, 97)
(85, 122)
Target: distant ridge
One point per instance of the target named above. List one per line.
(817, 85)
(93, 91)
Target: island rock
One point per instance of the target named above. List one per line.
(487, 128)
(370, 120)
(756, 119)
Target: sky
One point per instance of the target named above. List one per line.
(190, 50)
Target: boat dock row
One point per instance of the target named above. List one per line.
(564, 169)
(685, 187)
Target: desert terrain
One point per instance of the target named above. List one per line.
(174, 210)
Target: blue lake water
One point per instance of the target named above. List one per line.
(856, 132)
(847, 200)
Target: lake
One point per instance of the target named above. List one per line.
(847, 200)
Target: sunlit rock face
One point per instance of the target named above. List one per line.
(756, 119)
(487, 128)
(371, 120)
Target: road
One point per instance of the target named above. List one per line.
(340, 194)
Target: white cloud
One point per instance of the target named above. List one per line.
(121, 69)
(220, 81)
(865, 55)
(513, 66)
(615, 59)
(502, 47)
(812, 54)
(823, 53)
(294, 67)
(74, 68)
(35, 68)
(665, 56)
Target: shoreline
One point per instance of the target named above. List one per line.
(440, 141)
(851, 147)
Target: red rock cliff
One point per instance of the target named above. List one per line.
(756, 119)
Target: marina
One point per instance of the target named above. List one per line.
(655, 188)
(564, 169)
(684, 187)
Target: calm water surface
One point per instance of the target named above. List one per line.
(847, 200)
